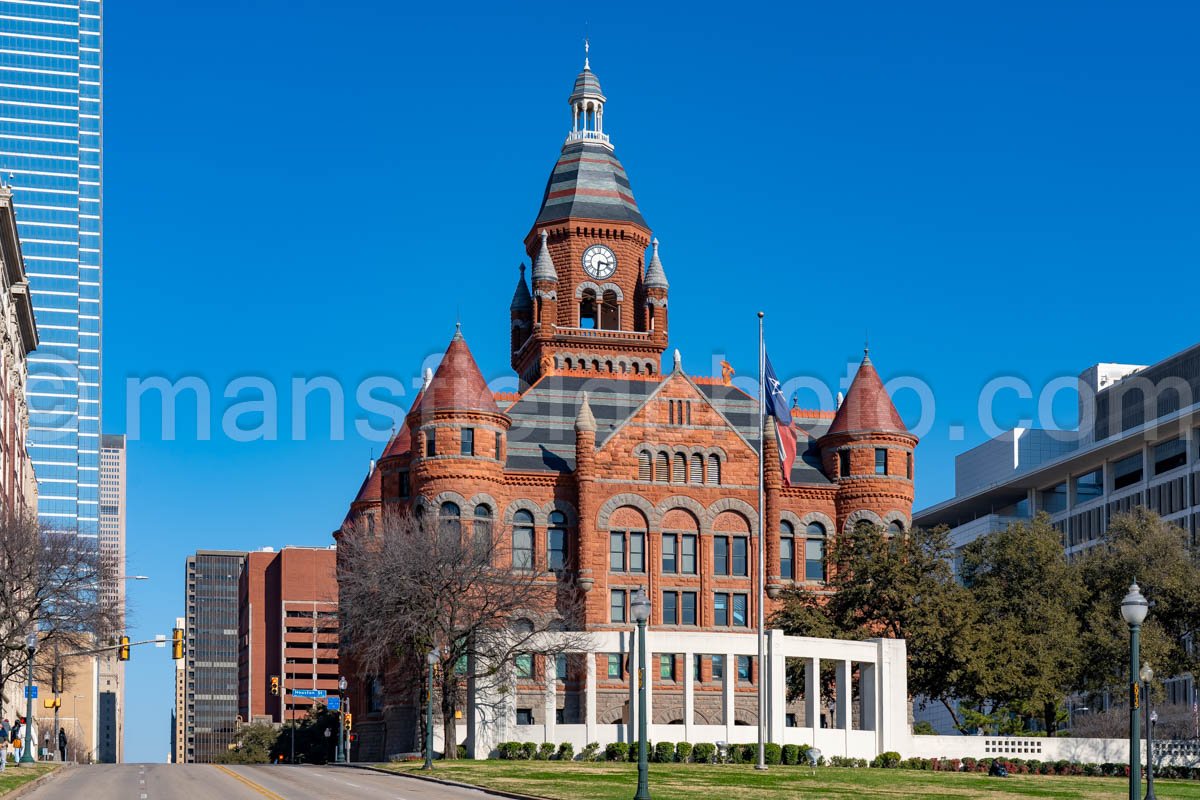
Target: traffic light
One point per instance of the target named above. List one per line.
(275, 685)
(123, 652)
(177, 643)
(52, 703)
(349, 721)
(57, 681)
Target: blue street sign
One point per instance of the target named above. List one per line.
(314, 693)
(31, 693)
(333, 703)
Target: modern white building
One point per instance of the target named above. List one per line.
(111, 682)
(1137, 444)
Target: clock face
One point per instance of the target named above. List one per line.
(599, 261)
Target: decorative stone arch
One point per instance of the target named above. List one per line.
(816, 516)
(627, 499)
(528, 505)
(584, 286)
(667, 715)
(612, 287)
(453, 497)
(714, 451)
(793, 518)
(566, 508)
(745, 716)
(483, 498)
(622, 365)
(685, 504)
(612, 716)
(862, 515)
(897, 516)
(702, 718)
(739, 507)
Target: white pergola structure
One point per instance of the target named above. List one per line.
(881, 724)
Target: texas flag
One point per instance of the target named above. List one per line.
(777, 407)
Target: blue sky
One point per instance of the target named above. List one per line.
(303, 189)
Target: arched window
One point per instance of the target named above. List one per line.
(679, 474)
(714, 470)
(814, 552)
(894, 527)
(483, 526)
(610, 312)
(697, 473)
(556, 541)
(787, 550)
(522, 545)
(588, 309)
(644, 473)
(662, 468)
(450, 517)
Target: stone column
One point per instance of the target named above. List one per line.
(777, 688)
(689, 699)
(589, 694)
(729, 693)
(812, 693)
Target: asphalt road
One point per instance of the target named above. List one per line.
(211, 782)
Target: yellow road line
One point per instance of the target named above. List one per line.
(263, 791)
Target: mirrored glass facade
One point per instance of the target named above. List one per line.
(50, 152)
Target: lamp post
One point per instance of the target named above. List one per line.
(340, 756)
(639, 608)
(1133, 610)
(431, 658)
(31, 644)
(1147, 675)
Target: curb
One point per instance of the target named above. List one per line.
(443, 782)
(26, 788)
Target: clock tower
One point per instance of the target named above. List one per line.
(596, 304)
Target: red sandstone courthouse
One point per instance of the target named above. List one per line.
(615, 468)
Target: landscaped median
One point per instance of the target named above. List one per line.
(15, 777)
(582, 780)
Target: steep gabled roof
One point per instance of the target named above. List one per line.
(867, 407)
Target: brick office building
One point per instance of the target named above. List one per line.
(287, 628)
(620, 471)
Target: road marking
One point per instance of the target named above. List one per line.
(263, 791)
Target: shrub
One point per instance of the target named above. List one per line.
(633, 751)
(510, 750)
(566, 752)
(462, 751)
(545, 751)
(529, 750)
(664, 753)
(704, 753)
(1091, 770)
(590, 752)
(888, 760)
(683, 752)
(749, 753)
(791, 754)
(616, 751)
(772, 753)
(969, 763)
(924, 728)
(953, 765)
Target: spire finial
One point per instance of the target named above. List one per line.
(586, 47)
(866, 344)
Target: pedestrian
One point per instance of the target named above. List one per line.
(62, 744)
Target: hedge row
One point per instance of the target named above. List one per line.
(662, 753)
(1018, 766)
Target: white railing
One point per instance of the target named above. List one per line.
(587, 136)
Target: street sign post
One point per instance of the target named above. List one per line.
(317, 694)
(333, 703)
(31, 693)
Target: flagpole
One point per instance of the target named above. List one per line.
(762, 551)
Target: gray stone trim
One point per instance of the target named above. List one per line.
(584, 286)
(436, 503)
(862, 515)
(749, 512)
(544, 294)
(563, 506)
(528, 505)
(897, 516)
(655, 301)
(816, 516)
(653, 521)
(486, 499)
(684, 503)
(793, 518)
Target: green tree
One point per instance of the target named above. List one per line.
(312, 745)
(901, 587)
(1138, 545)
(253, 745)
(1027, 596)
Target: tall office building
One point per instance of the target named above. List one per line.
(178, 735)
(211, 653)
(111, 684)
(50, 145)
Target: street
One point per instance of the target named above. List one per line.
(212, 782)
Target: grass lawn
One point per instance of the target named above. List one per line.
(15, 776)
(602, 781)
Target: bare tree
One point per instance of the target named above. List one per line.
(416, 582)
(51, 586)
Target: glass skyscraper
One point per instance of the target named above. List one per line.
(50, 148)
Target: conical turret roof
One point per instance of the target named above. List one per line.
(867, 407)
(458, 385)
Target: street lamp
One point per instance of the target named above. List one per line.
(341, 742)
(1147, 675)
(1133, 610)
(431, 658)
(639, 608)
(31, 645)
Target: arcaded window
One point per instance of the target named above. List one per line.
(556, 541)
(522, 545)
(588, 309)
